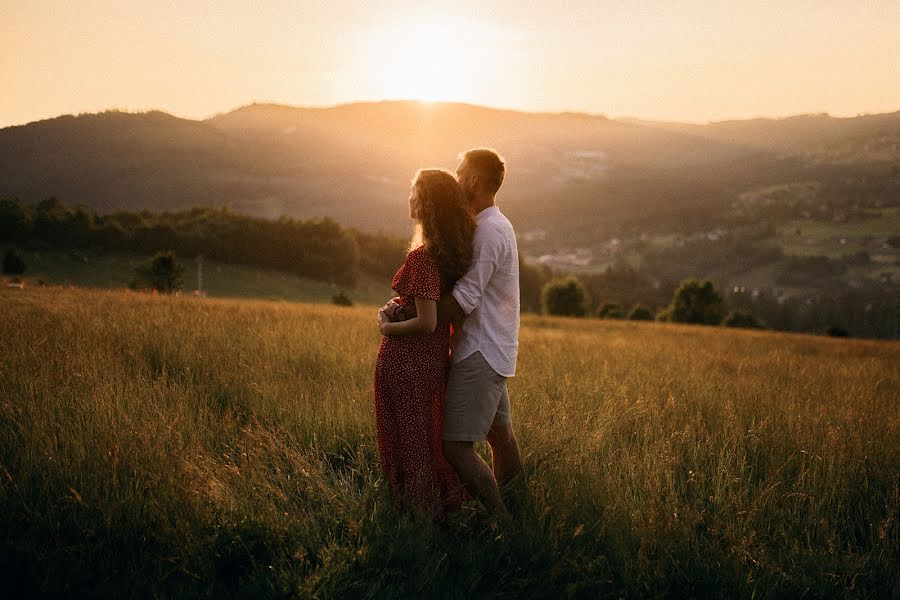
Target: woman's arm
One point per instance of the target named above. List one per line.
(448, 309)
(423, 323)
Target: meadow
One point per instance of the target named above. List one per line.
(85, 268)
(180, 446)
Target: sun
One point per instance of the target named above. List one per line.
(431, 59)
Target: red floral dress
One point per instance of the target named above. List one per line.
(410, 387)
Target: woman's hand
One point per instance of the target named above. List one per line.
(395, 311)
(383, 319)
(390, 309)
(423, 323)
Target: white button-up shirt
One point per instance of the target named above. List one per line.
(489, 294)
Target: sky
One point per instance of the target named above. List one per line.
(677, 60)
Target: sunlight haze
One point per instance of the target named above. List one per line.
(682, 61)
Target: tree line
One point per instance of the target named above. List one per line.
(318, 249)
(694, 301)
(625, 294)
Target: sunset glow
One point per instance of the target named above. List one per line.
(684, 61)
(429, 59)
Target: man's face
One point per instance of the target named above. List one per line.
(466, 180)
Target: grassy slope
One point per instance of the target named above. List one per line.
(159, 445)
(87, 269)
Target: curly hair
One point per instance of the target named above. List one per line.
(444, 226)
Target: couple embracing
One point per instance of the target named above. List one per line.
(450, 343)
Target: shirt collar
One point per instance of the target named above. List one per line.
(487, 211)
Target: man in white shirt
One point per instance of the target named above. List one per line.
(484, 349)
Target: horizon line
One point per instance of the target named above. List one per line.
(425, 103)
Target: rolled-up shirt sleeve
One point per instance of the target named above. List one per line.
(486, 250)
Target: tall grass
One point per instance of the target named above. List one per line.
(179, 446)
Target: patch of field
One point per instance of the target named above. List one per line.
(88, 269)
(820, 238)
(178, 446)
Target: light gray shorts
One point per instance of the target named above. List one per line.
(477, 399)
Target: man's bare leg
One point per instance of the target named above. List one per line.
(508, 470)
(505, 454)
(475, 475)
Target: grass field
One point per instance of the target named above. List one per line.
(176, 446)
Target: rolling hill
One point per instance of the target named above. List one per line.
(572, 173)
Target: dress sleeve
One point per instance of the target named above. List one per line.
(419, 276)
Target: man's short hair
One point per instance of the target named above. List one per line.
(489, 165)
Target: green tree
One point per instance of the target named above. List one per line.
(531, 284)
(16, 220)
(13, 263)
(694, 301)
(564, 296)
(161, 273)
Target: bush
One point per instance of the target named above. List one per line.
(565, 296)
(341, 299)
(13, 263)
(694, 301)
(740, 318)
(161, 273)
(640, 313)
(610, 310)
(836, 331)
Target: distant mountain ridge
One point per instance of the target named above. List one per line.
(805, 134)
(353, 162)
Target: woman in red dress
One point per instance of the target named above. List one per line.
(413, 361)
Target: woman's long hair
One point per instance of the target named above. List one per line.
(444, 226)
